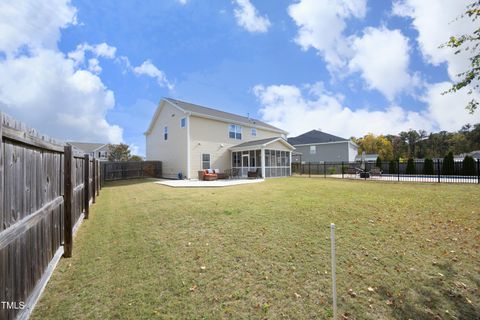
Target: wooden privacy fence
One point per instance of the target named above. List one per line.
(45, 192)
(120, 170)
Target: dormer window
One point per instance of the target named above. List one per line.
(235, 132)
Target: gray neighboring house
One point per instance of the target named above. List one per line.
(96, 150)
(318, 146)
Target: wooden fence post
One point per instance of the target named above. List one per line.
(68, 201)
(86, 185)
(94, 181)
(97, 177)
(478, 170)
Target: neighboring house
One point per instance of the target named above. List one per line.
(474, 154)
(318, 146)
(188, 138)
(95, 150)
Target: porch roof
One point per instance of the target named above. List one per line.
(262, 143)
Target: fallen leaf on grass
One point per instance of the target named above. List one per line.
(370, 289)
(297, 295)
(352, 293)
(192, 289)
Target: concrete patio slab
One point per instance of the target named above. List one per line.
(207, 184)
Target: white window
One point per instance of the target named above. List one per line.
(183, 122)
(205, 161)
(235, 132)
(254, 132)
(165, 133)
(313, 149)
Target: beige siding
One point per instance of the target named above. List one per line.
(211, 136)
(173, 151)
(277, 146)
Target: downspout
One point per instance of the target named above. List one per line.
(188, 145)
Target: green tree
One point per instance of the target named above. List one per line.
(392, 167)
(411, 167)
(428, 167)
(372, 144)
(468, 166)
(448, 165)
(135, 158)
(378, 163)
(468, 43)
(118, 152)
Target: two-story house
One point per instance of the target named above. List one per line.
(95, 150)
(188, 138)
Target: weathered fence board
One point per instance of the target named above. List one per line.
(36, 205)
(121, 170)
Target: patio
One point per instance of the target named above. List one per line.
(207, 184)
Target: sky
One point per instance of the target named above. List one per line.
(87, 70)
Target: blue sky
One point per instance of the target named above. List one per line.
(95, 70)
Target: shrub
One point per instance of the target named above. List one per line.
(392, 167)
(411, 167)
(378, 163)
(468, 166)
(428, 167)
(448, 164)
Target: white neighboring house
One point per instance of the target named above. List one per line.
(188, 138)
(96, 150)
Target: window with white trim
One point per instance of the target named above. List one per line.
(313, 149)
(183, 122)
(235, 132)
(254, 132)
(205, 161)
(165, 133)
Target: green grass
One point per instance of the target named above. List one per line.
(263, 251)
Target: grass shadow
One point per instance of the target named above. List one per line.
(128, 182)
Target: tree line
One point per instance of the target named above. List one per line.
(418, 144)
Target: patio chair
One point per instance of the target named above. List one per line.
(253, 174)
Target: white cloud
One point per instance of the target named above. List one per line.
(35, 24)
(436, 21)
(448, 110)
(99, 50)
(149, 69)
(248, 17)
(50, 94)
(296, 111)
(44, 88)
(382, 56)
(94, 65)
(321, 26)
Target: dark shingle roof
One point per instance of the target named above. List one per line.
(314, 136)
(194, 108)
(86, 146)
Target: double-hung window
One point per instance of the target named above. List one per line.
(313, 149)
(165, 133)
(205, 161)
(235, 132)
(254, 132)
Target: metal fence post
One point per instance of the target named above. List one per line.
(309, 169)
(324, 169)
(478, 170)
(438, 170)
(398, 169)
(68, 201)
(342, 170)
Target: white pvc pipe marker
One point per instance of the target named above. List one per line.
(334, 276)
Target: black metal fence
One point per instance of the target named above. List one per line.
(439, 171)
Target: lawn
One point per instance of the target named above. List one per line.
(263, 251)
